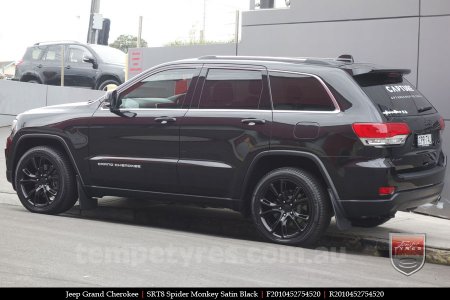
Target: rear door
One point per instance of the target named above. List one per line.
(399, 101)
(50, 66)
(228, 124)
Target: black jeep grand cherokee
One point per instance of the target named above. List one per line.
(290, 142)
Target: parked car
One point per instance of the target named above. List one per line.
(85, 65)
(289, 142)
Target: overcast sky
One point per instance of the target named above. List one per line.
(25, 22)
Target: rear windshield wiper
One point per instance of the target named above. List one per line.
(425, 108)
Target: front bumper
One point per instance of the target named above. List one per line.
(405, 200)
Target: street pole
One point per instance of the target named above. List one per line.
(236, 33)
(95, 9)
(139, 33)
(62, 65)
(202, 32)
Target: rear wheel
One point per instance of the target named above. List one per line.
(45, 181)
(369, 222)
(290, 206)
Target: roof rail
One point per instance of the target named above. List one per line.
(56, 42)
(345, 58)
(267, 58)
(303, 60)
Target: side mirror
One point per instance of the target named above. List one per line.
(111, 97)
(114, 106)
(90, 59)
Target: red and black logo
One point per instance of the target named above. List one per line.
(407, 251)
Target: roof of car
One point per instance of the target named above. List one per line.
(344, 62)
(56, 43)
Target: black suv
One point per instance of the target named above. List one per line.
(85, 65)
(290, 142)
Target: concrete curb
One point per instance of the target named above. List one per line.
(380, 247)
(225, 223)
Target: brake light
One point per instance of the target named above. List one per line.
(442, 123)
(19, 62)
(382, 134)
(386, 190)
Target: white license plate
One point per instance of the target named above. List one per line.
(424, 140)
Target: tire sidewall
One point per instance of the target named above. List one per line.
(299, 179)
(63, 179)
(106, 83)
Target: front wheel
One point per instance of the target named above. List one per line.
(290, 206)
(108, 84)
(45, 181)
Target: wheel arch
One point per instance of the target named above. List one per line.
(274, 159)
(27, 76)
(28, 141)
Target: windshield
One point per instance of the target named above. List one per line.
(109, 55)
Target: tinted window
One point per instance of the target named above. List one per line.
(299, 92)
(33, 53)
(76, 54)
(394, 95)
(232, 89)
(166, 89)
(53, 53)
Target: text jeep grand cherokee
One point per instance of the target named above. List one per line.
(291, 142)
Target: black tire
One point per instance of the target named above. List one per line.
(369, 222)
(45, 181)
(102, 86)
(33, 81)
(296, 202)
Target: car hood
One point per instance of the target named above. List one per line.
(51, 115)
(60, 108)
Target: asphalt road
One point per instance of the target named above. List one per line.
(41, 250)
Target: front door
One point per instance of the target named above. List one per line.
(227, 125)
(142, 152)
(77, 72)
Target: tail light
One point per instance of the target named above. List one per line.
(19, 62)
(442, 123)
(386, 190)
(381, 134)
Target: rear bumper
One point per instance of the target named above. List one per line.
(405, 200)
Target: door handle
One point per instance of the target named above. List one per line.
(39, 66)
(165, 120)
(68, 67)
(252, 122)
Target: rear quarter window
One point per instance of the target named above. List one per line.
(292, 91)
(33, 53)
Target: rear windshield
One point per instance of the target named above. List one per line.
(394, 95)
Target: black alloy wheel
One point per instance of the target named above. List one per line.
(290, 206)
(45, 181)
(40, 181)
